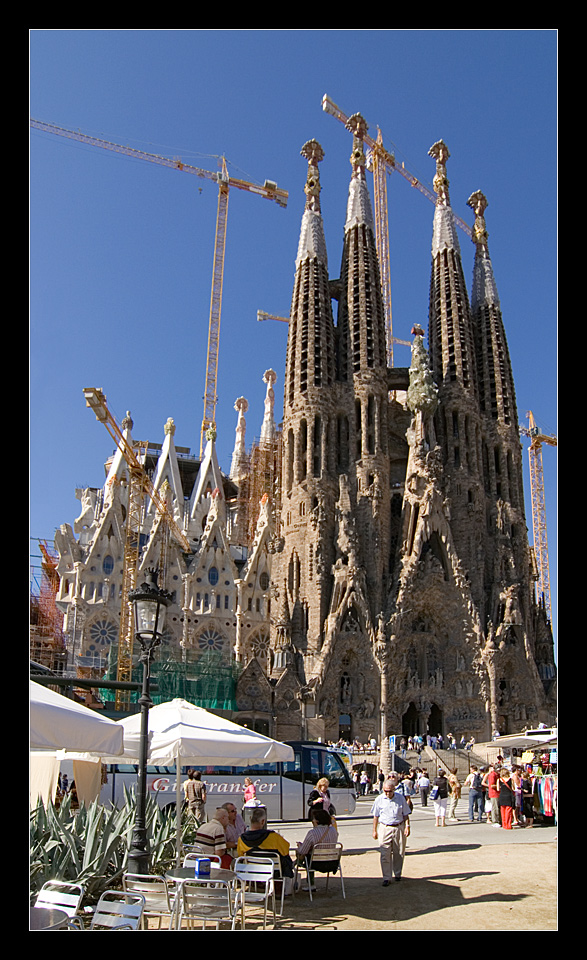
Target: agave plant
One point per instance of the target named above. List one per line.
(90, 846)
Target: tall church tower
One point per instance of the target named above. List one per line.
(454, 366)
(308, 471)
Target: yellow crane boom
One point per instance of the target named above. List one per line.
(537, 438)
(139, 486)
(269, 190)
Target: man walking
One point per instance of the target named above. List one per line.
(391, 827)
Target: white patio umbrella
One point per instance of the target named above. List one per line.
(181, 734)
(58, 723)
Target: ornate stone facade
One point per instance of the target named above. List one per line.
(367, 563)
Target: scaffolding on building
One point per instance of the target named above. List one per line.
(47, 639)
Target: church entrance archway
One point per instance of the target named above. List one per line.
(410, 721)
(345, 727)
(435, 721)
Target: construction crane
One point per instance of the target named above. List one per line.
(381, 163)
(269, 190)
(139, 486)
(537, 438)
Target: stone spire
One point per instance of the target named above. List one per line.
(450, 334)
(497, 398)
(239, 454)
(444, 233)
(361, 320)
(268, 426)
(359, 203)
(310, 347)
(312, 242)
(484, 286)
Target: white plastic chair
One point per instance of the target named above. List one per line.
(254, 873)
(206, 900)
(157, 894)
(60, 895)
(323, 858)
(117, 910)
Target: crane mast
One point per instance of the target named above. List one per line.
(537, 439)
(269, 190)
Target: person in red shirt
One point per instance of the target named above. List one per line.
(491, 780)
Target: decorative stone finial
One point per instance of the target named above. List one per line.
(439, 151)
(170, 427)
(127, 423)
(314, 154)
(211, 433)
(358, 127)
(478, 202)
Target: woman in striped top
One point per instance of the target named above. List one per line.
(323, 831)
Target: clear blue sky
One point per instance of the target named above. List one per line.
(121, 251)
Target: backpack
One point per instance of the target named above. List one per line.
(477, 782)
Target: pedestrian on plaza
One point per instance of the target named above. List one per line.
(381, 779)
(365, 782)
(391, 827)
(423, 784)
(475, 784)
(440, 798)
(506, 798)
(455, 794)
(528, 798)
(491, 781)
(195, 794)
(320, 798)
(517, 782)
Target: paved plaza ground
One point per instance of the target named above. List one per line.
(463, 877)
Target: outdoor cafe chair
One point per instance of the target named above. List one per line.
(278, 878)
(158, 896)
(116, 910)
(255, 875)
(59, 895)
(322, 858)
(197, 855)
(207, 900)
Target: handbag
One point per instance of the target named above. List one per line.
(434, 792)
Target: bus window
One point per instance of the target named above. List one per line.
(258, 769)
(312, 765)
(293, 768)
(334, 770)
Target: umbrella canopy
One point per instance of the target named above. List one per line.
(181, 733)
(57, 723)
(523, 742)
(180, 729)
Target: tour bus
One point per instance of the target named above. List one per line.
(283, 788)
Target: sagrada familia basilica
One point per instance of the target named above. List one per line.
(364, 569)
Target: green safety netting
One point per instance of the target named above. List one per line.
(207, 682)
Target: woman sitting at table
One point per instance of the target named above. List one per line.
(323, 831)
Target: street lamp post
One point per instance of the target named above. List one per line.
(149, 602)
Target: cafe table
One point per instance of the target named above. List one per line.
(179, 875)
(47, 918)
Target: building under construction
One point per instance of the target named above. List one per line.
(364, 568)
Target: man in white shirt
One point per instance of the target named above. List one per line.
(391, 827)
